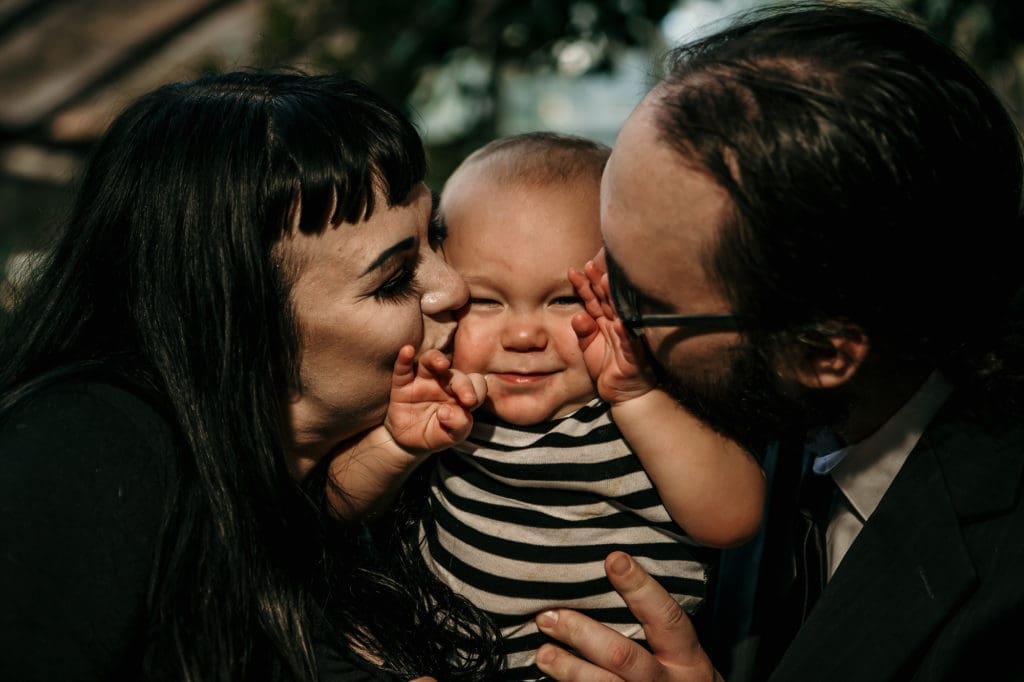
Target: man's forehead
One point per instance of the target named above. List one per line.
(661, 213)
(649, 182)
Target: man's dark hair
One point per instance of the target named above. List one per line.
(875, 179)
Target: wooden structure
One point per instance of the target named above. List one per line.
(68, 66)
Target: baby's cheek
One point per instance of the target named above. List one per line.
(569, 346)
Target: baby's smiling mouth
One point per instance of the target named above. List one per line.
(522, 377)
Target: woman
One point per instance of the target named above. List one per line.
(246, 256)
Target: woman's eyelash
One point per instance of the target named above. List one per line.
(399, 286)
(437, 231)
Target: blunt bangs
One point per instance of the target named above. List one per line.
(332, 137)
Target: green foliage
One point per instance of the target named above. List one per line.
(389, 43)
(989, 34)
(398, 46)
(405, 49)
(987, 31)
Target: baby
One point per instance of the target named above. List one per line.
(552, 476)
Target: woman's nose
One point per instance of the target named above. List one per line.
(443, 289)
(523, 333)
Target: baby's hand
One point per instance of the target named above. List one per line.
(615, 359)
(431, 402)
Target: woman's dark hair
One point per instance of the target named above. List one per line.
(166, 274)
(874, 178)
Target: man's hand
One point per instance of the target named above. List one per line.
(675, 656)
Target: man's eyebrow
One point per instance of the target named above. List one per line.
(619, 274)
(643, 296)
(388, 253)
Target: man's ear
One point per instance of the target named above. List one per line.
(828, 359)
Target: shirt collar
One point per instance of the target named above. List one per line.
(865, 470)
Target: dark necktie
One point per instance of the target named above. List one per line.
(814, 506)
(809, 565)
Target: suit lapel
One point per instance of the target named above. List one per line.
(897, 584)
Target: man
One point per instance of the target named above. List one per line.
(850, 191)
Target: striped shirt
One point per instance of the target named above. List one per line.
(522, 518)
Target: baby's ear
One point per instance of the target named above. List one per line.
(827, 357)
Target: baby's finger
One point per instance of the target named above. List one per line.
(578, 280)
(593, 272)
(456, 421)
(479, 388)
(586, 292)
(598, 279)
(603, 288)
(405, 366)
(625, 338)
(463, 389)
(630, 349)
(586, 329)
(603, 292)
(434, 361)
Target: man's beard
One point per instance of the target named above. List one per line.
(748, 402)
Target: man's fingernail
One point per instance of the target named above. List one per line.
(620, 565)
(548, 619)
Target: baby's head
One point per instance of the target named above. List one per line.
(520, 212)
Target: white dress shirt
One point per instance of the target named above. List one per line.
(864, 471)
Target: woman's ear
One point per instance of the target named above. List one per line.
(827, 359)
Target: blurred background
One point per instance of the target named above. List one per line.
(466, 70)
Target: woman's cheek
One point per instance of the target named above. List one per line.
(402, 329)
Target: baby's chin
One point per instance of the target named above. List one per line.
(515, 412)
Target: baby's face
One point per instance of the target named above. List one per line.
(513, 246)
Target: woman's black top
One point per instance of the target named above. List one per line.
(85, 472)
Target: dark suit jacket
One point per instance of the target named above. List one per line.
(933, 587)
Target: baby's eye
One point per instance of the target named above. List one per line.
(567, 300)
(483, 302)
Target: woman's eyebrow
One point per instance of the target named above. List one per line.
(405, 245)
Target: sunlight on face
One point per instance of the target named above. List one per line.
(659, 219)
(361, 292)
(513, 245)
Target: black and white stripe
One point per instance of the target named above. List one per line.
(523, 517)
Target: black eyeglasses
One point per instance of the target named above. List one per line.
(626, 301)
